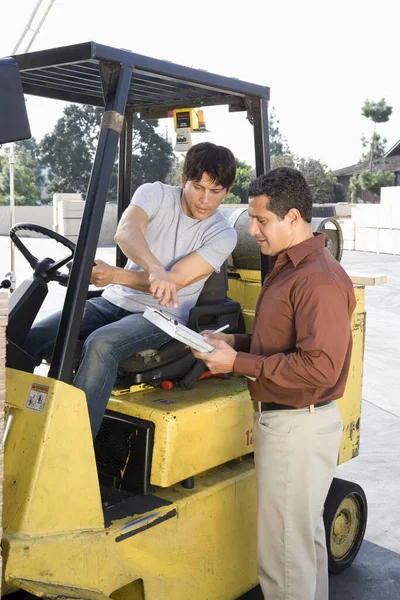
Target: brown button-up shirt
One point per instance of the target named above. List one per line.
(300, 349)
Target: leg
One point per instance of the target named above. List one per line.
(40, 340)
(103, 350)
(295, 455)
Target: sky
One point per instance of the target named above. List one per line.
(321, 60)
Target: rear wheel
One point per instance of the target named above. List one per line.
(345, 518)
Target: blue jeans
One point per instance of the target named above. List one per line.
(109, 334)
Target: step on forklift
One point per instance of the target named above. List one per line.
(162, 505)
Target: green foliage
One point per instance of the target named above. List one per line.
(70, 149)
(378, 112)
(372, 182)
(277, 142)
(376, 145)
(152, 156)
(231, 199)
(244, 175)
(321, 181)
(27, 174)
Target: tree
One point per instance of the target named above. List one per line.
(152, 156)
(376, 145)
(321, 181)
(28, 177)
(70, 149)
(372, 182)
(244, 175)
(378, 112)
(277, 142)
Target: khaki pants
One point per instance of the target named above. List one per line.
(295, 454)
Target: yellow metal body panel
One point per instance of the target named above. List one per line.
(195, 430)
(48, 454)
(202, 545)
(206, 549)
(244, 287)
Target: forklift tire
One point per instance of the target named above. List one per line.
(345, 518)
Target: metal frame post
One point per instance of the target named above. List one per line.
(262, 154)
(124, 176)
(68, 331)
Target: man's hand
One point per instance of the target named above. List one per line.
(228, 338)
(163, 288)
(220, 360)
(102, 273)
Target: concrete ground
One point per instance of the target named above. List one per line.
(376, 570)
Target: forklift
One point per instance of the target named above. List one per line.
(162, 505)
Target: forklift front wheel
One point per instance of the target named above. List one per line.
(345, 518)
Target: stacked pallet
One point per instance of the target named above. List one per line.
(3, 323)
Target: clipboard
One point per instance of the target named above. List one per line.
(177, 330)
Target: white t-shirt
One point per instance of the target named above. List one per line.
(171, 235)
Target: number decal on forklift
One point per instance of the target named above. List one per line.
(37, 397)
(249, 437)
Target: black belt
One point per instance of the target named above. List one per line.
(274, 406)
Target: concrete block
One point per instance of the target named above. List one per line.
(396, 241)
(385, 241)
(371, 239)
(360, 239)
(385, 216)
(365, 215)
(390, 195)
(343, 209)
(69, 227)
(396, 215)
(70, 210)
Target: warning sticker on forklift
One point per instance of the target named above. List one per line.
(37, 397)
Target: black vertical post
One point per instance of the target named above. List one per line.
(263, 160)
(68, 331)
(124, 175)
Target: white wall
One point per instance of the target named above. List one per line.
(377, 226)
(44, 215)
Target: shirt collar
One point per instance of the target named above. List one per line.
(300, 251)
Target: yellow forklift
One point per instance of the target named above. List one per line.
(162, 505)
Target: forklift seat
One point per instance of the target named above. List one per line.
(174, 361)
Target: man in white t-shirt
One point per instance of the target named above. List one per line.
(174, 238)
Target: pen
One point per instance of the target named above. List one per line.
(220, 329)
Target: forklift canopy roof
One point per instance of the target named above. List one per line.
(80, 73)
(124, 83)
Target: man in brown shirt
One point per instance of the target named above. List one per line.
(297, 360)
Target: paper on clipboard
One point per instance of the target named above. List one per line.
(177, 330)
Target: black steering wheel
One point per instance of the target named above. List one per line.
(51, 269)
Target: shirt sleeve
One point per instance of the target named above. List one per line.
(218, 247)
(149, 197)
(242, 342)
(322, 310)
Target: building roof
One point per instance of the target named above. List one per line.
(394, 150)
(386, 163)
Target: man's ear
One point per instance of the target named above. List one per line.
(294, 216)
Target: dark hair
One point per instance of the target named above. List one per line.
(286, 188)
(217, 161)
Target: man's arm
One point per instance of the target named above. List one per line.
(130, 237)
(321, 313)
(186, 271)
(323, 334)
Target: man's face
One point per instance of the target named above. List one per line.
(201, 198)
(273, 235)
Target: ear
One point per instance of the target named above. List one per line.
(183, 179)
(294, 216)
